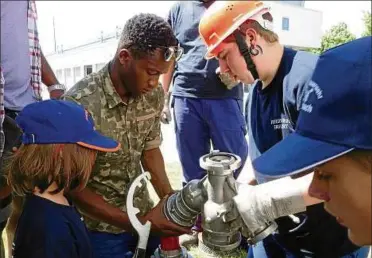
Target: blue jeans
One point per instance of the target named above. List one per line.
(258, 251)
(200, 122)
(123, 245)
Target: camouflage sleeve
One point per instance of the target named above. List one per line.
(154, 138)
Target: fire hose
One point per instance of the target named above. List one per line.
(230, 210)
(213, 196)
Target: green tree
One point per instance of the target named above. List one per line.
(337, 35)
(367, 24)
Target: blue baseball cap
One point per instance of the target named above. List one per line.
(59, 121)
(335, 116)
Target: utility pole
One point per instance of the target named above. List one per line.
(54, 33)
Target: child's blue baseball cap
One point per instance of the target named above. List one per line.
(335, 116)
(59, 121)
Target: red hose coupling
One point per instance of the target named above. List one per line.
(169, 243)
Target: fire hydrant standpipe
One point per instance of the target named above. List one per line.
(213, 197)
(218, 236)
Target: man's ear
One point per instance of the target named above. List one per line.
(251, 37)
(124, 56)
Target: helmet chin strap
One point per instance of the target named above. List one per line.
(243, 48)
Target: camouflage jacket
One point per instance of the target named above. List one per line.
(136, 125)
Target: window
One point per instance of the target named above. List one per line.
(88, 69)
(285, 23)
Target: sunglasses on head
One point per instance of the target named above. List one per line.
(175, 52)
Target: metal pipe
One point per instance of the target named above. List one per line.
(213, 197)
(183, 207)
(217, 235)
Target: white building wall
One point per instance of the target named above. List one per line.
(70, 66)
(304, 30)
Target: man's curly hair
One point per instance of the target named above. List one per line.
(145, 32)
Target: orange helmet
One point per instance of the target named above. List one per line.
(222, 18)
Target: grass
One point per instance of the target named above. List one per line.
(196, 253)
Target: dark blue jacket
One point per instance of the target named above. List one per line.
(271, 114)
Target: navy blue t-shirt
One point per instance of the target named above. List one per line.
(267, 115)
(194, 76)
(49, 230)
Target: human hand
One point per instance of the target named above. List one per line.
(160, 225)
(229, 81)
(166, 116)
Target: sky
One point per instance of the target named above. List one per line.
(75, 24)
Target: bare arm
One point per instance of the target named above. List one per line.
(165, 80)
(49, 79)
(47, 75)
(153, 162)
(95, 207)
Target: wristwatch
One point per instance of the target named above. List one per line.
(57, 87)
